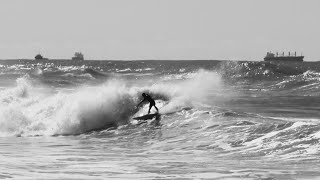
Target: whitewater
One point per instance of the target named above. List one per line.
(64, 119)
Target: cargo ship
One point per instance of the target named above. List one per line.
(282, 57)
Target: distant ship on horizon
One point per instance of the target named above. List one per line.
(40, 57)
(78, 56)
(282, 57)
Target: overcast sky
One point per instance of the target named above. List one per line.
(159, 29)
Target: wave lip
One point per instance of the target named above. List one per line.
(29, 112)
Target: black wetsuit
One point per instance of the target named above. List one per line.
(149, 98)
(151, 101)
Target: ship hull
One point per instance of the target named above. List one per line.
(295, 58)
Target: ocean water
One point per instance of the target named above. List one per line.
(63, 119)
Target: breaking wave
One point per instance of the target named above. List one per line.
(28, 110)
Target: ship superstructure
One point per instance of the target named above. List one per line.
(282, 57)
(40, 57)
(78, 56)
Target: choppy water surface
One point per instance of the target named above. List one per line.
(219, 120)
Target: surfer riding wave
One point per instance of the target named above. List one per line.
(151, 101)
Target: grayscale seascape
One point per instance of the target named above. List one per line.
(232, 86)
(219, 120)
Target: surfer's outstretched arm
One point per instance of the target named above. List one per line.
(141, 102)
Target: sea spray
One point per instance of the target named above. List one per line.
(96, 108)
(189, 92)
(12, 101)
(76, 112)
(90, 108)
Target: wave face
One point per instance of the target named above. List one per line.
(33, 111)
(211, 111)
(30, 109)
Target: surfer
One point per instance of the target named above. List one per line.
(151, 101)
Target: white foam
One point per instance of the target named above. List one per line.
(26, 113)
(29, 111)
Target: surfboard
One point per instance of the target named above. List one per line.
(148, 116)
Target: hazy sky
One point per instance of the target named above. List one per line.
(159, 29)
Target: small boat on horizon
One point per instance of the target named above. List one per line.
(40, 57)
(78, 56)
